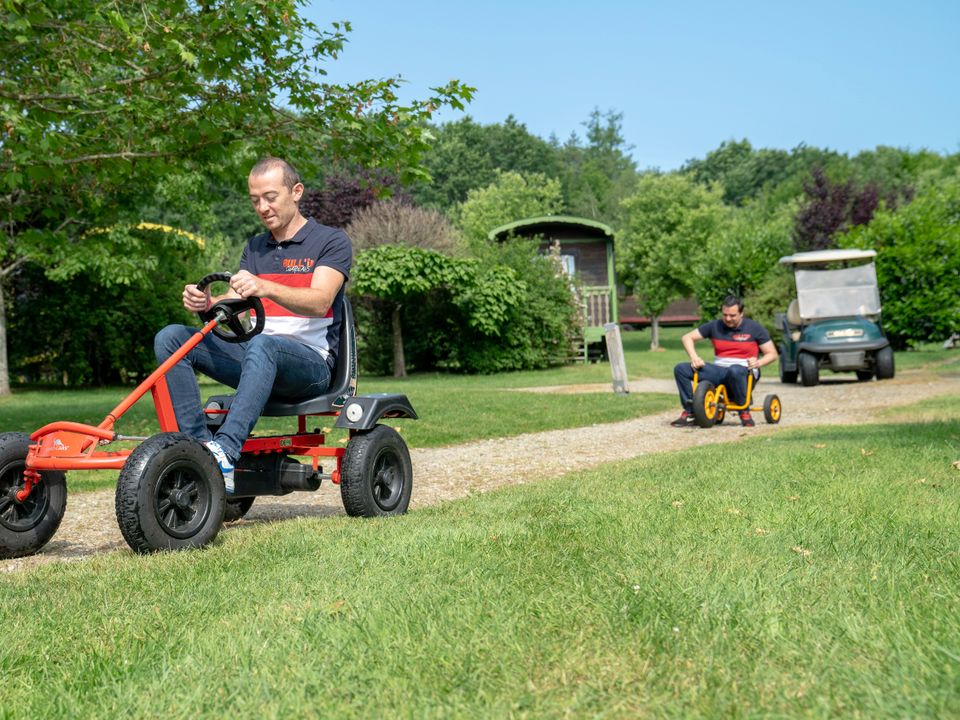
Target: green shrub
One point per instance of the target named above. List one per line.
(918, 264)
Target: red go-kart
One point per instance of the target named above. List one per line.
(170, 493)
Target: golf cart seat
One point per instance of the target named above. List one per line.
(793, 319)
(343, 382)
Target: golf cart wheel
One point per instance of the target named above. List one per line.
(772, 409)
(27, 525)
(376, 476)
(786, 376)
(705, 406)
(236, 508)
(170, 495)
(883, 362)
(809, 370)
(864, 375)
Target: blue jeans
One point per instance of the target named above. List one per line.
(262, 368)
(734, 377)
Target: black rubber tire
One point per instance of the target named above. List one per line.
(376, 476)
(864, 375)
(786, 376)
(883, 363)
(809, 370)
(772, 409)
(705, 409)
(170, 495)
(28, 526)
(236, 508)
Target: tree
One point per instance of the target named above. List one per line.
(918, 263)
(600, 173)
(666, 223)
(740, 256)
(98, 100)
(466, 155)
(512, 196)
(400, 275)
(830, 208)
(397, 223)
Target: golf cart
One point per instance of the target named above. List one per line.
(834, 322)
(170, 492)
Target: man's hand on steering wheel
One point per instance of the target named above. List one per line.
(195, 300)
(227, 311)
(245, 284)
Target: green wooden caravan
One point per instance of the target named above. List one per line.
(586, 252)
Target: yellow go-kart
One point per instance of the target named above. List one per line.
(711, 403)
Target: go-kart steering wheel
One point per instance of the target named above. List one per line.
(227, 313)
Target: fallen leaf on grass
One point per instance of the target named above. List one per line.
(956, 465)
(865, 452)
(325, 430)
(801, 550)
(677, 503)
(793, 498)
(761, 531)
(734, 511)
(820, 446)
(921, 481)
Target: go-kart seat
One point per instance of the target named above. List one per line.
(343, 381)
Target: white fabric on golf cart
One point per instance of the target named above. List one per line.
(838, 293)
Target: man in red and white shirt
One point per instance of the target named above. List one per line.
(740, 346)
(298, 268)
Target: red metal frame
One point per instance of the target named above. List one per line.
(65, 445)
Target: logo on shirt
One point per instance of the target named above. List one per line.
(298, 265)
(742, 337)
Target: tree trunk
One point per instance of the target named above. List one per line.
(655, 333)
(4, 367)
(399, 364)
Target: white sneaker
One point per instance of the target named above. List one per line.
(226, 467)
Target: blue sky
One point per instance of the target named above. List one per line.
(845, 75)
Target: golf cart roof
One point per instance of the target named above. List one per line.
(825, 256)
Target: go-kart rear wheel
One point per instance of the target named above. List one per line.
(236, 508)
(376, 476)
(27, 525)
(883, 363)
(705, 406)
(170, 495)
(809, 369)
(772, 409)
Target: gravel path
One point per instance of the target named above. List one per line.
(90, 527)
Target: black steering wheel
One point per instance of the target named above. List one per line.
(227, 313)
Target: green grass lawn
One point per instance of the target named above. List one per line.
(808, 573)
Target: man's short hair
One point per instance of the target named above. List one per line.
(731, 300)
(290, 176)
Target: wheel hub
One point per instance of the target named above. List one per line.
(180, 498)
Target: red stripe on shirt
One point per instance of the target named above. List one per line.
(731, 349)
(296, 280)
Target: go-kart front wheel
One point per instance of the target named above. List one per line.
(376, 476)
(170, 495)
(772, 409)
(27, 525)
(705, 405)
